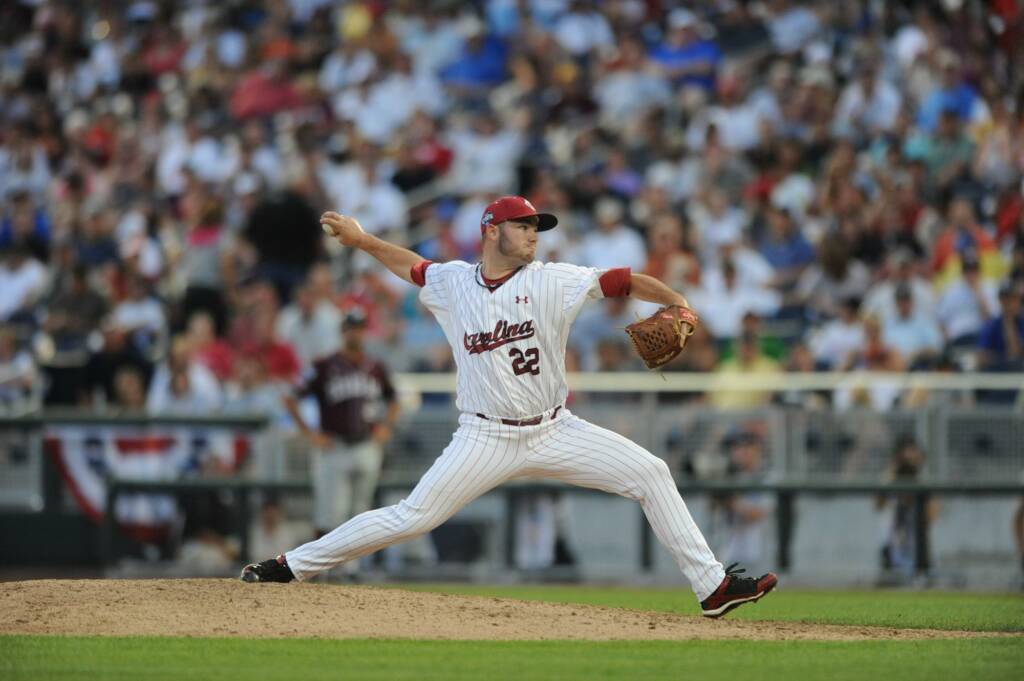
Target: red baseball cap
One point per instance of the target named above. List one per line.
(514, 207)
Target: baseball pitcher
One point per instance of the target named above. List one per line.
(507, 319)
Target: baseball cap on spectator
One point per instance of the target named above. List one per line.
(355, 317)
(142, 11)
(246, 183)
(511, 208)
(1010, 289)
(682, 18)
(900, 257)
(608, 209)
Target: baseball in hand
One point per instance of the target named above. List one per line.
(345, 229)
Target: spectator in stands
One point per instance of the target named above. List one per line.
(785, 249)
(26, 224)
(129, 390)
(1001, 344)
(951, 97)
(73, 313)
(18, 374)
(140, 317)
(285, 255)
(670, 259)
(480, 64)
(900, 271)
(835, 277)
(183, 385)
(262, 341)
(868, 105)
(792, 25)
(93, 238)
(208, 349)
(722, 300)
(612, 241)
(962, 234)
(311, 326)
(836, 342)
(875, 356)
(583, 29)
(716, 223)
(22, 282)
(484, 157)
(251, 392)
(749, 360)
(968, 303)
(914, 336)
(627, 89)
(207, 263)
(599, 322)
(684, 57)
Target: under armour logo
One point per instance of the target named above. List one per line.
(525, 299)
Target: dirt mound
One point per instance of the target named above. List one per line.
(220, 607)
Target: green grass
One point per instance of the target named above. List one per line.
(918, 610)
(35, 658)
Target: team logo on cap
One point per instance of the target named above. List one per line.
(488, 216)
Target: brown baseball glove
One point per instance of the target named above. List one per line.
(662, 336)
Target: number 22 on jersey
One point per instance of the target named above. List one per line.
(525, 362)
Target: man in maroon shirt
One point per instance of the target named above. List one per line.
(357, 409)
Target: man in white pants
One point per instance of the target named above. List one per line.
(507, 319)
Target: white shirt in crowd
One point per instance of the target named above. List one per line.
(622, 247)
(962, 316)
(316, 336)
(484, 163)
(21, 286)
(203, 397)
(836, 341)
(379, 204)
(583, 32)
(880, 300)
(145, 314)
(793, 29)
(911, 335)
(721, 309)
(872, 113)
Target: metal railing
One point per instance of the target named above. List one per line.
(785, 493)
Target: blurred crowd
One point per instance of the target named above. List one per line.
(833, 185)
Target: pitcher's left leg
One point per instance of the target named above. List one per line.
(580, 453)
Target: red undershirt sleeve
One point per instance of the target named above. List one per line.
(616, 282)
(418, 273)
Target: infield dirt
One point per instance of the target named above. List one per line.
(228, 608)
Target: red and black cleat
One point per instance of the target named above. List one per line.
(734, 591)
(272, 570)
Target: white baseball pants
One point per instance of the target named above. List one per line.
(486, 453)
(344, 480)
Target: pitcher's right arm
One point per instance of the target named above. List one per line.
(349, 232)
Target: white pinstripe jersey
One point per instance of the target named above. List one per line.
(509, 343)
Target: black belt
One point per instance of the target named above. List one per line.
(524, 422)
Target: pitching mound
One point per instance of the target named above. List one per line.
(219, 607)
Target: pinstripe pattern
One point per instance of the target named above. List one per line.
(485, 453)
